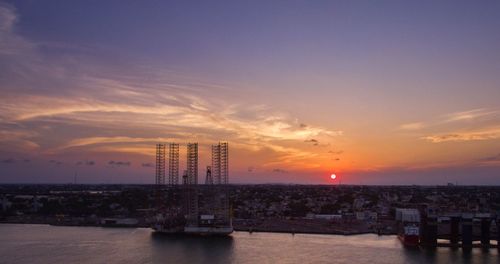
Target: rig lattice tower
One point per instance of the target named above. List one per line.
(173, 164)
(160, 164)
(220, 163)
(220, 174)
(191, 184)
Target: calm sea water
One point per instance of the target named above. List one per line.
(56, 244)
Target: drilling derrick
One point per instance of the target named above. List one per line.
(185, 178)
(224, 163)
(173, 164)
(216, 163)
(160, 164)
(220, 173)
(191, 182)
(204, 209)
(220, 163)
(209, 180)
(185, 198)
(192, 163)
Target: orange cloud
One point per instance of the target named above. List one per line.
(486, 134)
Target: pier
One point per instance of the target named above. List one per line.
(460, 230)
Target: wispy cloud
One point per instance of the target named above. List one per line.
(458, 127)
(491, 158)
(108, 140)
(315, 142)
(10, 43)
(412, 126)
(486, 134)
(18, 139)
(114, 108)
(470, 115)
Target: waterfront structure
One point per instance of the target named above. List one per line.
(220, 162)
(191, 191)
(425, 229)
(160, 164)
(173, 164)
(220, 166)
(192, 163)
(408, 226)
(210, 215)
(208, 178)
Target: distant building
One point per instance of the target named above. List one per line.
(324, 216)
(366, 216)
(6, 204)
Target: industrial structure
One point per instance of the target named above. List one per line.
(173, 164)
(160, 164)
(408, 220)
(427, 229)
(190, 184)
(192, 163)
(208, 178)
(220, 163)
(203, 209)
(220, 175)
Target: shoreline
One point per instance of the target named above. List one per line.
(247, 230)
(339, 233)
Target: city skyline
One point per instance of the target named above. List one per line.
(377, 93)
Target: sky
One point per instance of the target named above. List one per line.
(377, 92)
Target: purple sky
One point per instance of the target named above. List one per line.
(378, 92)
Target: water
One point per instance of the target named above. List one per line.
(56, 244)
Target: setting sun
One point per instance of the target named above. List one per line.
(333, 176)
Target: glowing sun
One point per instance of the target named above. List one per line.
(333, 176)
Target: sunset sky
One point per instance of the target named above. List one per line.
(378, 92)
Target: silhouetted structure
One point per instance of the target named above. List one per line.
(191, 184)
(160, 164)
(220, 163)
(173, 164)
(209, 215)
(467, 232)
(408, 224)
(460, 233)
(209, 179)
(192, 163)
(220, 168)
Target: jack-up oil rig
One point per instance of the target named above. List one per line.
(189, 207)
